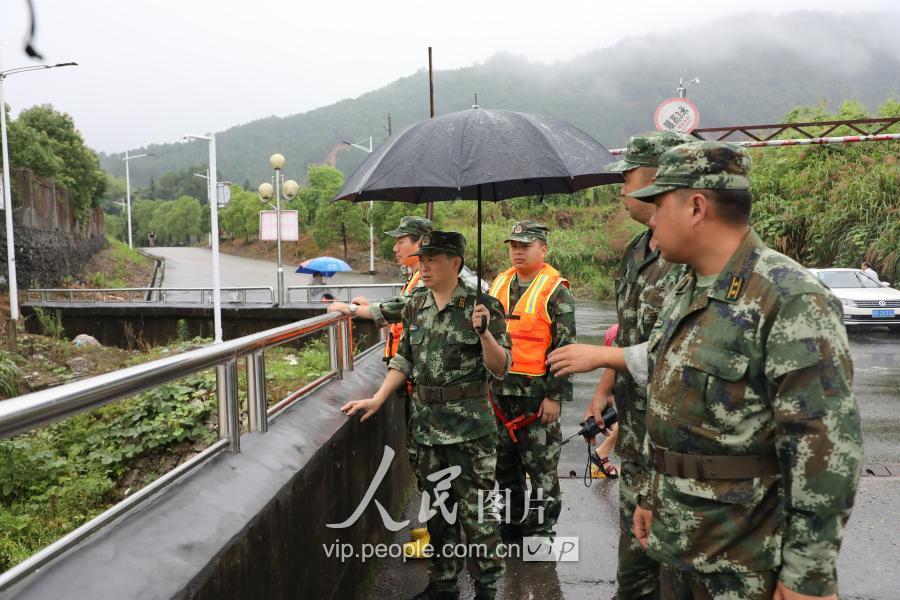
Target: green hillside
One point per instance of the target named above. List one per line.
(753, 68)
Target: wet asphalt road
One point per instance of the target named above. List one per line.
(869, 567)
(192, 267)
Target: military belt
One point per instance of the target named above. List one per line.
(706, 466)
(442, 395)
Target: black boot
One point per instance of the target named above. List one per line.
(482, 593)
(511, 533)
(430, 593)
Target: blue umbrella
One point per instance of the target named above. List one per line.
(325, 265)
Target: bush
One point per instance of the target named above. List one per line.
(10, 376)
(50, 323)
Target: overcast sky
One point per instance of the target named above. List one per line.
(151, 71)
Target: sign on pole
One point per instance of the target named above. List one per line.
(268, 226)
(223, 195)
(676, 114)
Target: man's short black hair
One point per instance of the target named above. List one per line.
(732, 206)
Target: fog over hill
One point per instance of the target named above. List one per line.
(754, 68)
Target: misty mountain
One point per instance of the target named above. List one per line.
(753, 69)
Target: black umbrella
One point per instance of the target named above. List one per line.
(481, 154)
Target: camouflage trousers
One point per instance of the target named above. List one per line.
(683, 585)
(410, 441)
(478, 461)
(637, 575)
(537, 454)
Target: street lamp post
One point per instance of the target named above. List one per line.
(266, 193)
(212, 194)
(128, 190)
(8, 206)
(369, 149)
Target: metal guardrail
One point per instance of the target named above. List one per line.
(343, 293)
(24, 413)
(228, 295)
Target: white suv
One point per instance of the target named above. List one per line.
(866, 301)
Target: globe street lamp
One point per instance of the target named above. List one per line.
(7, 202)
(267, 192)
(128, 189)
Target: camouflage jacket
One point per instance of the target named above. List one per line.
(643, 281)
(390, 310)
(758, 363)
(440, 348)
(561, 308)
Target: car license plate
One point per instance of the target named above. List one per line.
(883, 313)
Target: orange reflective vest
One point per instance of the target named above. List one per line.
(395, 330)
(529, 322)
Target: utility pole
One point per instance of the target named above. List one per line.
(429, 208)
(390, 133)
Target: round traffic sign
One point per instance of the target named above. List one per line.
(676, 114)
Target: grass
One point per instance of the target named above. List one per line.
(117, 266)
(586, 241)
(55, 478)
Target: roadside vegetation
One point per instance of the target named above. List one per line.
(56, 478)
(116, 266)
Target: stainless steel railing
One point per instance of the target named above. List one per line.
(344, 292)
(228, 295)
(24, 413)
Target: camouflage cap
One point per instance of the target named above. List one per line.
(699, 165)
(527, 232)
(411, 225)
(442, 242)
(645, 149)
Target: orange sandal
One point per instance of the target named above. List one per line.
(603, 468)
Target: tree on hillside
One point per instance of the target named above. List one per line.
(240, 218)
(177, 221)
(175, 184)
(29, 148)
(45, 140)
(334, 221)
(323, 182)
(80, 170)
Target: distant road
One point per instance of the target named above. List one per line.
(192, 268)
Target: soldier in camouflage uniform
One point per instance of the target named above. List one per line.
(388, 311)
(752, 430)
(528, 401)
(643, 280)
(452, 422)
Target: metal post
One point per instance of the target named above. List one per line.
(280, 273)
(429, 208)
(128, 197)
(10, 243)
(345, 336)
(229, 409)
(371, 240)
(257, 403)
(214, 233)
(334, 355)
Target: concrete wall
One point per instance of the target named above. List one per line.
(50, 243)
(253, 525)
(135, 325)
(41, 204)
